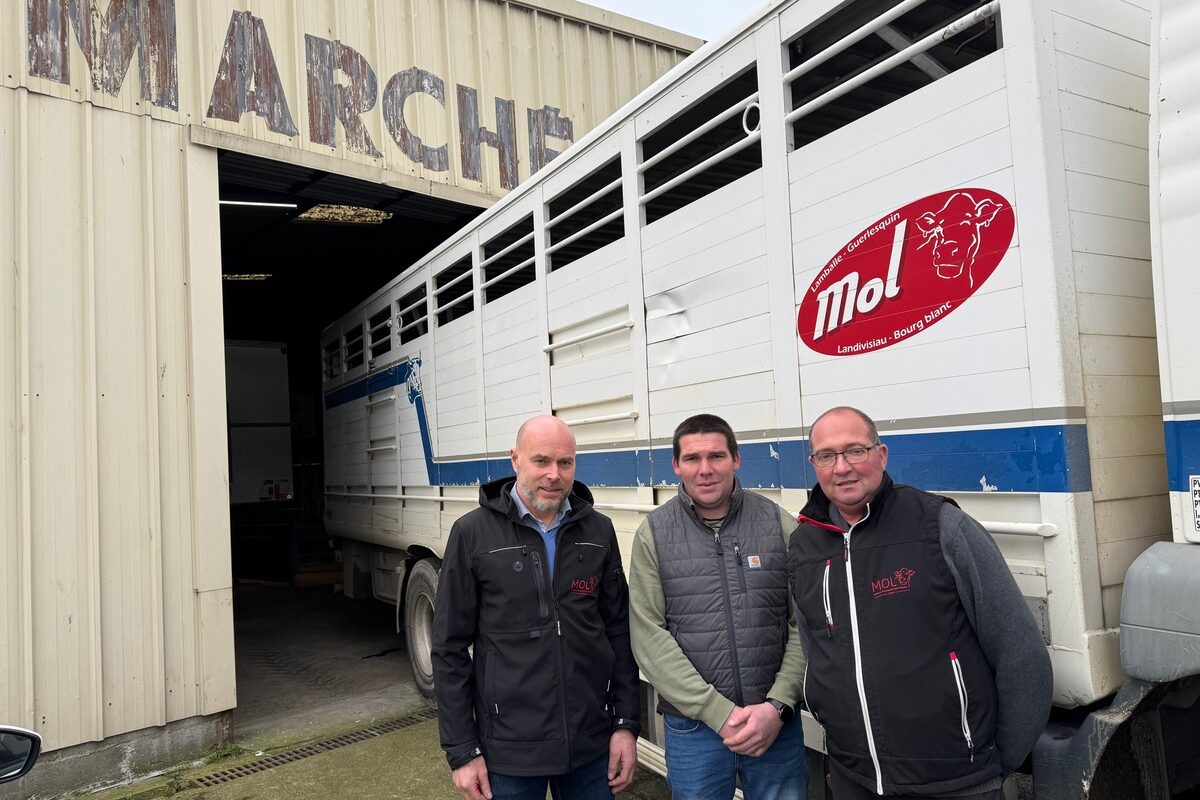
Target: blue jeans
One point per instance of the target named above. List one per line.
(588, 782)
(701, 767)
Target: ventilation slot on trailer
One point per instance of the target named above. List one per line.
(705, 147)
(586, 217)
(412, 315)
(453, 291)
(508, 261)
(379, 331)
(860, 60)
(352, 347)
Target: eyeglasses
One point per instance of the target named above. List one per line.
(853, 455)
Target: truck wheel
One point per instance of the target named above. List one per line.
(418, 621)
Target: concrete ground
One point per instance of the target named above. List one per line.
(313, 666)
(405, 765)
(310, 660)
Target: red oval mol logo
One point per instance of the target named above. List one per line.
(906, 272)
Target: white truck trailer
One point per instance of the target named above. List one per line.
(974, 220)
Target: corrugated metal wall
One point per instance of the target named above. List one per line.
(114, 549)
(115, 561)
(404, 85)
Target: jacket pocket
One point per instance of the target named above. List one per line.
(825, 599)
(961, 685)
(539, 578)
(818, 591)
(741, 568)
(515, 662)
(681, 725)
(585, 580)
(490, 700)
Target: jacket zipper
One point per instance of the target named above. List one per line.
(502, 549)
(540, 580)
(961, 685)
(737, 670)
(562, 689)
(825, 597)
(858, 670)
(737, 553)
(558, 654)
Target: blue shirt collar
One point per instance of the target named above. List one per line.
(523, 510)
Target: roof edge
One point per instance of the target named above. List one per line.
(611, 20)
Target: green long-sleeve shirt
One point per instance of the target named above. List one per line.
(666, 666)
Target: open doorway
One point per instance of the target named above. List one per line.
(299, 247)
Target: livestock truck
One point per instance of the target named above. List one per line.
(974, 220)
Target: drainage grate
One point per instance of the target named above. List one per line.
(315, 748)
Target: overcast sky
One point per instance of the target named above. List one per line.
(706, 19)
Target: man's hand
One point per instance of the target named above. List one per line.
(471, 780)
(622, 758)
(750, 731)
(734, 722)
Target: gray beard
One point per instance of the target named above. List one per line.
(530, 496)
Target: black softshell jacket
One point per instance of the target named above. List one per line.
(896, 642)
(552, 674)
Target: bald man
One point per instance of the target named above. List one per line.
(533, 581)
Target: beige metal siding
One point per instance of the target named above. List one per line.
(116, 529)
(114, 551)
(1103, 57)
(275, 73)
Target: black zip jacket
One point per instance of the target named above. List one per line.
(552, 674)
(896, 673)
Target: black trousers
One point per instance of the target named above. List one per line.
(845, 789)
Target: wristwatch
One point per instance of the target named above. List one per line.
(785, 711)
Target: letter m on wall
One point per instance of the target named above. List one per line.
(107, 41)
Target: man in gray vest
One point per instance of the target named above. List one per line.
(711, 629)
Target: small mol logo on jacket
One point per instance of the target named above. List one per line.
(896, 583)
(586, 586)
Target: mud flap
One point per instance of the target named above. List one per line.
(1143, 744)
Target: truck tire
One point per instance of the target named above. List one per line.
(419, 600)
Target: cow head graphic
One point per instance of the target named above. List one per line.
(955, 232)
(904, 576)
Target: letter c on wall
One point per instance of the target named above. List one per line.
(402, 86)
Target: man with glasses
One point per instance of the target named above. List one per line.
(711, 629)
(925, 665)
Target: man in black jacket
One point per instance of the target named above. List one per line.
(925, 665)
(533, 580)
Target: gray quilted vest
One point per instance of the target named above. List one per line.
(726, 596)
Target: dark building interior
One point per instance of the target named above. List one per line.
(300, 247)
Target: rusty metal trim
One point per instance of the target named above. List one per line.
(205, 136)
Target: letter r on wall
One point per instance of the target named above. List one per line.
(330, 102)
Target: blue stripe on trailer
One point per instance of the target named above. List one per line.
(1033, 458)
(1183, 453)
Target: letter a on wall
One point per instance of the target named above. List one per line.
(247, 79)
